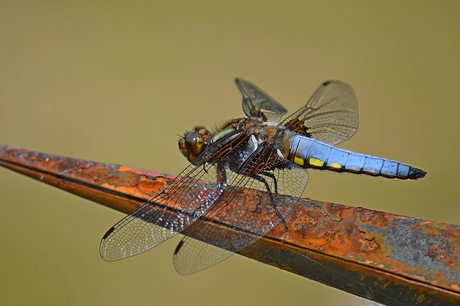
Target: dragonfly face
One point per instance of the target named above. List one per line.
(193, 143)
(257, 152)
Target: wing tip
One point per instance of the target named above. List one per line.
(110, 231)
(179, 247)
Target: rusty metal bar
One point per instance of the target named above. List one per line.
(390, 259)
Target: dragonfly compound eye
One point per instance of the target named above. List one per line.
(193, 143)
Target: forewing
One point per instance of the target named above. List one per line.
(174, 208)
(331, 114)
(244, 217)
(254, 99)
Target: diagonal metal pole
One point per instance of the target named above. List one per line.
(390, 259)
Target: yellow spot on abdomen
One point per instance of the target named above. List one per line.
(315, 162)
(335, 165)
(299, 161)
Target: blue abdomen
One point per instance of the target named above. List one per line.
(311, 153)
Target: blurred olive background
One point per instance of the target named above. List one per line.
(116, 82)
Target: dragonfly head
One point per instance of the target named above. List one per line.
(193, 143)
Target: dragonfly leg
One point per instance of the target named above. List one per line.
(221, 185)
(221, 175)
(272, 199)
(271, 175)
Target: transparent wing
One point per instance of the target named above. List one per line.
(163, 216)
(244, 216)
(331, 114)
(170, 211)
(254, 99)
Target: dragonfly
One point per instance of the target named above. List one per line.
(258, 152)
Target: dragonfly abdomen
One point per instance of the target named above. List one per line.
(312, 153)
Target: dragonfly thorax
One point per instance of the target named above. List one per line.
(193, 143)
